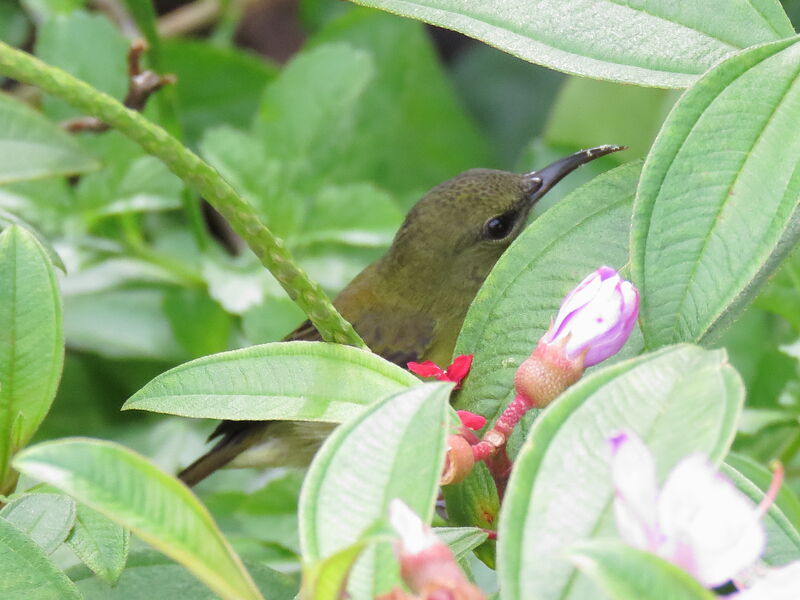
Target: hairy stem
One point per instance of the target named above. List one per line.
(197, 174)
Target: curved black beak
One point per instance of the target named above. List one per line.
(541, 181)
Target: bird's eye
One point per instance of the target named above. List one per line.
(499, 227)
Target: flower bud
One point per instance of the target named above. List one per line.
(593, 323)
(596, 318)
(427, 565)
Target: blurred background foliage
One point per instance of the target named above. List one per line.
(331, 120)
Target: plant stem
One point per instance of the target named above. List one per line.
(197, 174)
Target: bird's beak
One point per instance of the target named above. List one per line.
(541, 181)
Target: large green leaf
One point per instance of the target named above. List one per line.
(680, 400)
(311, 381)
(32, 147)
(716, 209)
(395, 449)
(648, 42)
(27, 572)
(31, 340)
(46, 518)
(132, 491)
(783, 539)
(625, 573)
(524, 290)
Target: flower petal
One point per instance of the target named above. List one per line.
(459, 368)
(710, 528)
(415, 536)
(633, 472)
(471, 420)
(575, 300)
(426, 369)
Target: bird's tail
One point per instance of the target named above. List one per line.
(229, 447)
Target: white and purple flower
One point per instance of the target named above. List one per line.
(698, 520)
(597, 317)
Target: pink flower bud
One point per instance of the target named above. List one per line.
(427, 565)
(596, 318)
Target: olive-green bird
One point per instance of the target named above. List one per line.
(408, 305)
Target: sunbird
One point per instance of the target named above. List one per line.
(408, 305)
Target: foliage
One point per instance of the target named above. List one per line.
(118, 281)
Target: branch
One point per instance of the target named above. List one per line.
(197, 174)
(141, 85)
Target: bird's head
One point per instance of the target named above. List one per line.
(458, 230)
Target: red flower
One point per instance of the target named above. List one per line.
(457, 370)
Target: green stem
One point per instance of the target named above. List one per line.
(197, 174)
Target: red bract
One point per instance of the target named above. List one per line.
(455, 372)
(471, 420)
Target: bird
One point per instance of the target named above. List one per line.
(409, 304)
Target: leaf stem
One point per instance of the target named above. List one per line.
(197, 174)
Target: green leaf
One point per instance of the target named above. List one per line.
(783, 539)
(680, 400)
(413, 124)
(699, 247)
(7, 219)
(46, 518)
(461, 540)
(355, 214)
(130, 490)
(394, 449)
(268, 515)
(100, 543)
(305, 129)
(215, 85)
(507, 96)
(32, 147)
(327, 579)
(647, 42)
(625, 573)
(186, 307)
(524, 290)
(631, 114)
(130, 181)
(475, 502)
(31, 341)
(310, 381)
(13, 24)
(87, 46)
(44, 9)
(27, 572)
(782, 294)
(150, 574)
(128, 322)
(262, 180)
(272, 320)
